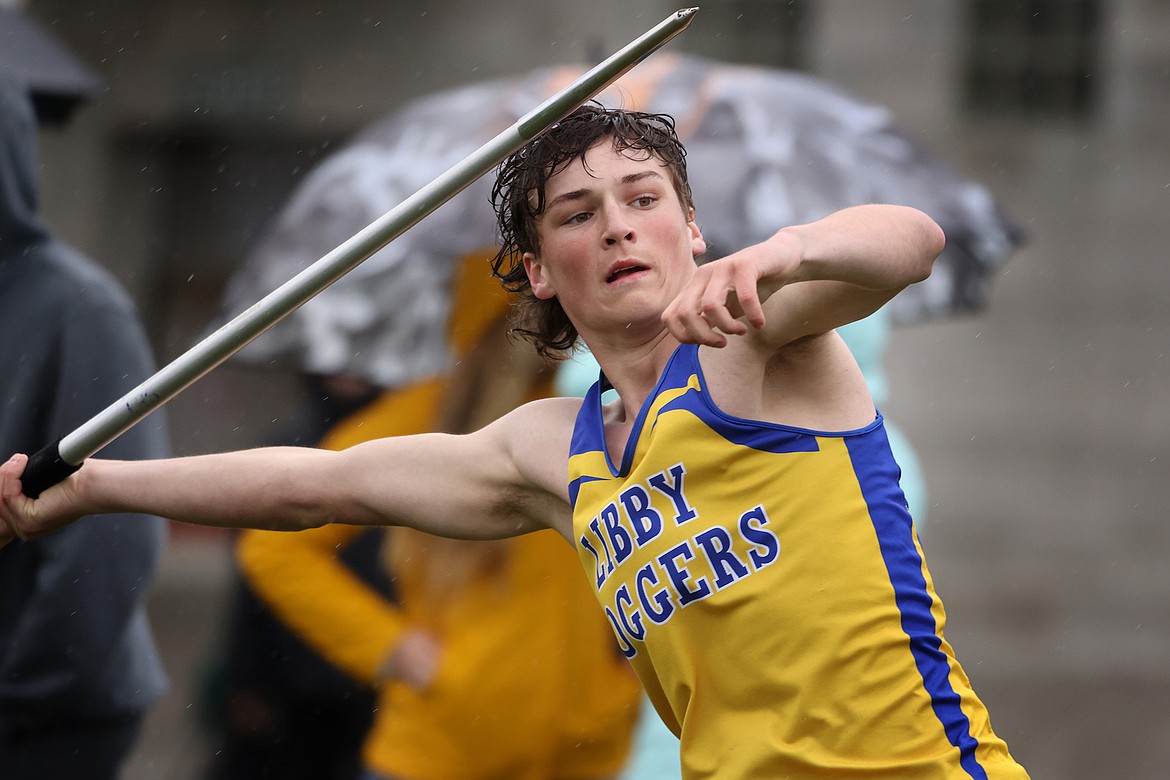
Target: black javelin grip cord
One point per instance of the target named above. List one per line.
(45, 468)
(63, 457)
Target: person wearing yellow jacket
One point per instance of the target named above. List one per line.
(495, 663)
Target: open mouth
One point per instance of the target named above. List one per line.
(623, 271)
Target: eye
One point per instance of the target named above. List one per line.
(644, 201)
(577, 219)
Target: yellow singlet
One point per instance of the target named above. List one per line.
(768, 587)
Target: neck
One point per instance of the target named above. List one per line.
(633, 370)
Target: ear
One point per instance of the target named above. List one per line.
(541, 285)
(698, 243)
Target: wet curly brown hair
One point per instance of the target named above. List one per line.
(518, 198)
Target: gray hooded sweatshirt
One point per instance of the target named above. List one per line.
(75, 644)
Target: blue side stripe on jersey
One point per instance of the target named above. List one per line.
(589, 430)
(872, 463)
(676, 374)
(575, 487)
(588, 433)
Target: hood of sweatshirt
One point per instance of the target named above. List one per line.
(21, 230)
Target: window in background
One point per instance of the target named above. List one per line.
(771, 33)
(1033, 57)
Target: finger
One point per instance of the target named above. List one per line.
(14, 525)
(718, 302)
(718, 314)
(426, 673)
(684, 315)
(425, 665)
(415, 675)
(7, 531)
(747, 297)
(15, 465)
(692, 328)
(10, 474)
(753, 311)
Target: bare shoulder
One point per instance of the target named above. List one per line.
(812, 382)
(827, 348)
(546, 417)
(536, 437)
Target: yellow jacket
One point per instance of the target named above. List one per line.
(530, 685)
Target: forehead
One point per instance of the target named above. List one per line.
(601, 163)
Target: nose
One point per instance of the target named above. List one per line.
(615, 226)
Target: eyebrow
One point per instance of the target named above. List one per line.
(629, 178)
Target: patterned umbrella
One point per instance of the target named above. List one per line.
(766, 148)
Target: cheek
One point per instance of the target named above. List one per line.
(564, 274)
(573, 257)
(670, 235)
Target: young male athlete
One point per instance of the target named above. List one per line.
(736, 507)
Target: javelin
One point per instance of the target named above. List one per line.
(60, 459)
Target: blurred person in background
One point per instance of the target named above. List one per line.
(494, 662)
(78, 664)
(272, 705)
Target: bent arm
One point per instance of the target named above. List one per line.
(874, 247)
(808, 279)
(500, 481)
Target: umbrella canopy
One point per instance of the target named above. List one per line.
(766, 148)
(57, 81)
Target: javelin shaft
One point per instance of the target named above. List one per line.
(61, 458)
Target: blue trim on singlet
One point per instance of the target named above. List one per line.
(575, 488)
(676, 374)
(895, 534)
(588, 435)
(756, 434)
(589, 431)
